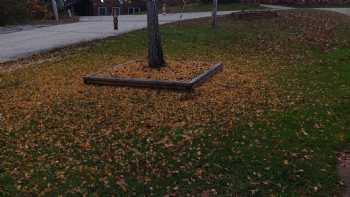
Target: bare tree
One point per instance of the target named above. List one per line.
(54, 9)
(155, 51)
(215, 10)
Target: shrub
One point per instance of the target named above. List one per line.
(38, 9)
(13, 11)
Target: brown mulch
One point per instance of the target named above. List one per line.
(174, 70)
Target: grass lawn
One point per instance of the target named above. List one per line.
(270, 124)
(202, 7)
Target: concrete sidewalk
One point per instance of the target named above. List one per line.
(276, 7)
(345, 11)
(28, 42)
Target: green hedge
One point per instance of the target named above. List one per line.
(13, 11)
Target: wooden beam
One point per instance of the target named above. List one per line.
(199, 80)
(155, 84)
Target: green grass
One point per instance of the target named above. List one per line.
(201, 7)
(290, 113)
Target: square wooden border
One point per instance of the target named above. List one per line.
(155, 84)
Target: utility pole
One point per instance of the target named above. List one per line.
(215, 10)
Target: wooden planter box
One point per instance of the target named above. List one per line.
(156, 84)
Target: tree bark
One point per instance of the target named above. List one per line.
(215, 10)
(155, 51)
(54, 9)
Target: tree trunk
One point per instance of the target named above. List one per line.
(155, 51)
(54, 9)
(215, 9)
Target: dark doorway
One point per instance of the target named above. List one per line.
(83, 8)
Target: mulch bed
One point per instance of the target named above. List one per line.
(175, 70)
(176, 75)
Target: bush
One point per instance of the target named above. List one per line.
(13, 11)
(38, 9)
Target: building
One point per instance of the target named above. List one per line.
(107, 7)
(113, 7)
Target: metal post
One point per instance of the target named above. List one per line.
(115, 21)
(164, 9)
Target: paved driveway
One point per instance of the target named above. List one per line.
(25, 43)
